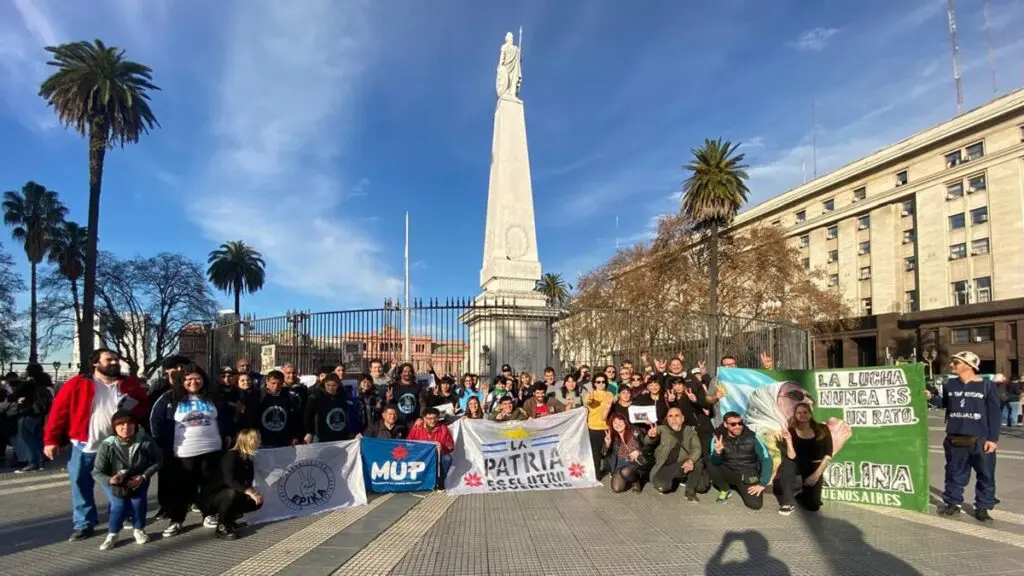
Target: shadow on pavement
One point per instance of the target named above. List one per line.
(758, 561)
(841, 542)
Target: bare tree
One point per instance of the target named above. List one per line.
(142, 304)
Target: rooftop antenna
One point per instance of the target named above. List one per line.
(814, 138)
(988, 40)
(951, 15)
(803, 168)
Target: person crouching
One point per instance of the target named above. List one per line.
(231, 493)
(125, 462)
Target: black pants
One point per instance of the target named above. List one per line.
(189, 475)
(668, 477)
(165, 482)
(787, 482)
(229, 505)
(597, 448)
(726, 479)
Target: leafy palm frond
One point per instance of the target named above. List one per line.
(554, 288)
(96, 82)
(716, 188)
(68, 250)
(34, 215)
(236, 268)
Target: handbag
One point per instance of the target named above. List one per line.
(962, 440)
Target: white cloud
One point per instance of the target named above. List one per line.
(24, 29)
(287, 79)
(815, 39)
(755, 142)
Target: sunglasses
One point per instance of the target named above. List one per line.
(735, 424)
(797, 395)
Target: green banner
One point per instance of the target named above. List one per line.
(877, 417)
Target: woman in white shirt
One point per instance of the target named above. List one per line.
(188, 420)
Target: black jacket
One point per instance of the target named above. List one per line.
(326, 417)
(235, 472)
(278, 418)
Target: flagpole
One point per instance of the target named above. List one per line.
(407, 316)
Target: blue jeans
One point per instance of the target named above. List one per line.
(444, 463)
(959, 463)
(28, 444)
(121, 509)
(1011, 411)
(83, 501)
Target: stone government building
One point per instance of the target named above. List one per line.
(925, 239)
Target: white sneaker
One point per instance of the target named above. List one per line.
(210, 522)
(140, 536)
(109, 542)
(172, 529)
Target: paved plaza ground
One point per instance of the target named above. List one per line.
(565, 532)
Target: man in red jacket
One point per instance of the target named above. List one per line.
(81, 415)
(431, 429)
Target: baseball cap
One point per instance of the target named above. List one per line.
(969, 358)
(506, 368)
(122, 416)
(228, 370)
(695, 371)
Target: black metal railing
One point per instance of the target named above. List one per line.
(462, 335)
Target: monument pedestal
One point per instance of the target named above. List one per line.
(514, 332)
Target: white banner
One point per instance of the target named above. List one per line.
(547, 453)
(308, 479)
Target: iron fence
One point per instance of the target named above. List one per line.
(464, 335)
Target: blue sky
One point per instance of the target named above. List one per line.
(308, 128)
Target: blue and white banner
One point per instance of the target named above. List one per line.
(399, 465)
(549, 453)
(308, 479)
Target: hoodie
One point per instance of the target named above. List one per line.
(140, 456)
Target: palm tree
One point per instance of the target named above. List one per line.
(35, 215)
(555, 288)
(236, 267)
(104, 96)
(714, 192)
(68, 254)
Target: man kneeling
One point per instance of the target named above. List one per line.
(677, 457)
(739, 461)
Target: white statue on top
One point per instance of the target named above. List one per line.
(510, 70)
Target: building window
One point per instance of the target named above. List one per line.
(979, 215)
(865, 273)
(806, 263)
(961, 335)
(860, 194)
(961, 295)
(805, 241)
(976, 184)
(979, 246)
(828, 205)
(956, 221)
(983, 289)
(864, 248)
(909, 263)
(975, 151)
(865, 306)
(864, 222)
(910, 300)
(908, 236)
(832, 233)
(419, 348)
(907, 209)
(833, 280)
(776, 222)
(801, 216)
(833, 256)
(954, 190)
(953, 158)
(957, 251)
(983, 333)
(902, 177)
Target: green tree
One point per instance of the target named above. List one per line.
(236, 268)
(554, 288)
(68, 254)
(104, 96)
(712, 195)
(35, 215)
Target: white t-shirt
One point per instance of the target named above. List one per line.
(104, 405)
(195, 428)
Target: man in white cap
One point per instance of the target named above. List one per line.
(972, 431)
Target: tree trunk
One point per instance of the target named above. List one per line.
(33, 344)
(77, 305)
(238, 299)
(97, 152)
(713, 303)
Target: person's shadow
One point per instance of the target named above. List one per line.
(758, 561)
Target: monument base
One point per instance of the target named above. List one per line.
(516, 333)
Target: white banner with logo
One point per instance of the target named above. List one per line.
(548, 453)
(308, 479)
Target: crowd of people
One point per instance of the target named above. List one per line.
(200, 433)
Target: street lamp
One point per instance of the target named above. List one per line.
(56, 368)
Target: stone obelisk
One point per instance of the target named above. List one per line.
(511, 323)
